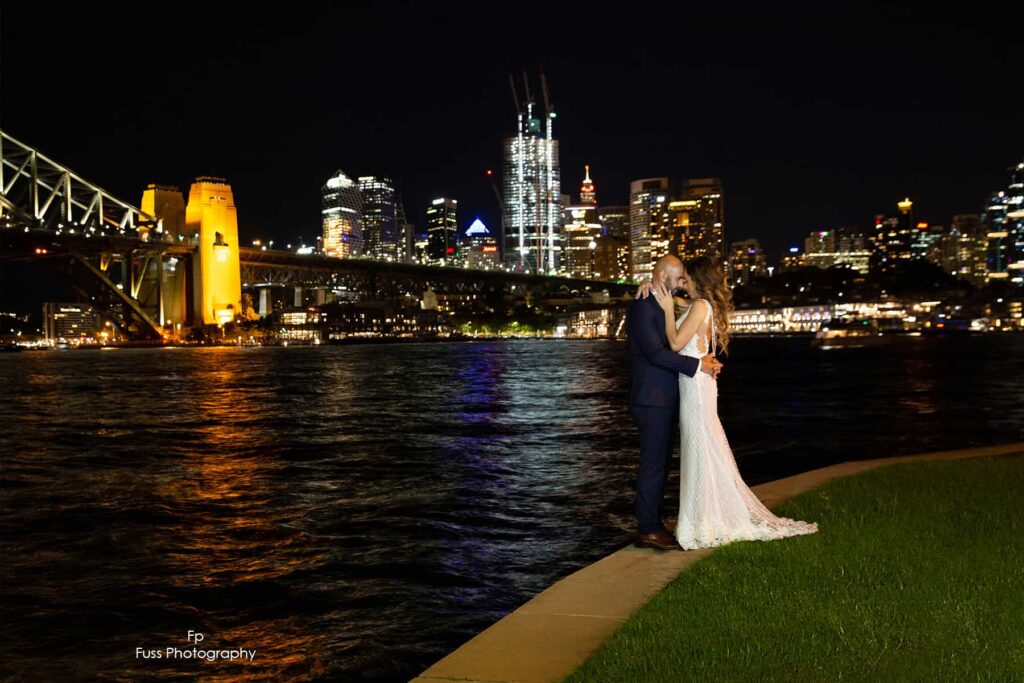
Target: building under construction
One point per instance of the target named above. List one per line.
(532, 186)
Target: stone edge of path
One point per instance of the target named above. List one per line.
(553, 634)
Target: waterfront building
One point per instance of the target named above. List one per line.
(68, 321)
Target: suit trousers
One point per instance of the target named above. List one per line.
(656, 425)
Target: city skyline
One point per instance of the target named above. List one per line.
(835, 140)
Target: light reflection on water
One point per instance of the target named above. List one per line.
(357, 512)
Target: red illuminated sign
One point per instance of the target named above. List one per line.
(451, 250)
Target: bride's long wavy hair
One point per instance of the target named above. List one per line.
(709, 281)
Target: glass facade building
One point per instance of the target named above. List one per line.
(697, 220)
(648, 225)
(382, 238)
(1003, 220)
(341, 213)
(442, 229)
(532, 195)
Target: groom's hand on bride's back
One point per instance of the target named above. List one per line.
(710, 365)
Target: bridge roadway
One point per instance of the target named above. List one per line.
(270, 267)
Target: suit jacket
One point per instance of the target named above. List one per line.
(655, 366)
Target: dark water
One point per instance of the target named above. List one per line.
(355, 513)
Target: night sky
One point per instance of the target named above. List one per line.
(811, 120)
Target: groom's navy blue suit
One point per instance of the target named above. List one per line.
(653, 400)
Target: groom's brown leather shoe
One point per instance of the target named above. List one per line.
(659, 539)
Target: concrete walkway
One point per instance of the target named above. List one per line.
(554, 633)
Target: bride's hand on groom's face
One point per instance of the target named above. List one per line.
(664, 298)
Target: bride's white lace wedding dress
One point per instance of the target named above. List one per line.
(715, 505)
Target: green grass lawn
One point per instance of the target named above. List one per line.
(916, 574)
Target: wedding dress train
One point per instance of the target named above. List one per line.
(715, 505)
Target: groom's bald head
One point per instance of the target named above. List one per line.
(668, 270)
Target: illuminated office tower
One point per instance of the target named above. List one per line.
(1003, 220)
(696, 220)
(217, 282)
(406, 232)
(924, 241)
(746, 261)
(820, 249)
(967, 259)
(648, 225)
(532, 187)
(341, 210)
(611, 258)
(381, 239)
(893, 236)
(793, 259)
(441, 231)
(480, 249)
(588, 194)
(581, 229)
(853, 248)
(614, 221)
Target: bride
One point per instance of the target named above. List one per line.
(715, 505)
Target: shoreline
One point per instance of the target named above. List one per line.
(10, 348)
(555, 632)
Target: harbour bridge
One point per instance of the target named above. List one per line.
(165, 268)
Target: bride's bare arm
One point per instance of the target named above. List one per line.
(680, 337)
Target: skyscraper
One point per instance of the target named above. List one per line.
(648, 225)
(406, 232)
(588, 194)
(532, 187)
(820, 249)
(1003, 219)
(746, 261)
(441, 231)
(614, 221)
(853, 250)
(381, 239)
(892, 237)
(581, 228)
(481, 250)
(972, 250)
(341, 209)
(696, 220)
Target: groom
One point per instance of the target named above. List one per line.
(654, 400)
